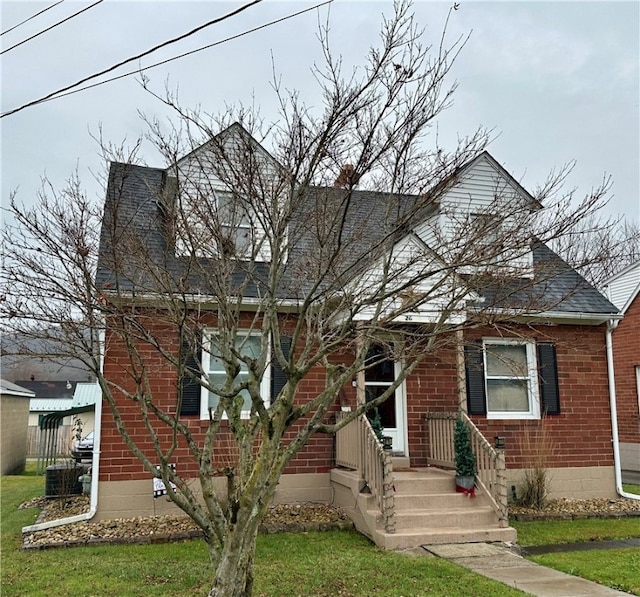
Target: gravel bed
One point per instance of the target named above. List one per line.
(161, 529)
(571, 509)
(281, 518)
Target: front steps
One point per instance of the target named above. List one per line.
(427, 510)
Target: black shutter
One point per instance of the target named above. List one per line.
(548, 374)
(191, 389)
(278, 377)
(474, 367)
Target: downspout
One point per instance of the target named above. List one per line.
(612, 325)
(95, 468)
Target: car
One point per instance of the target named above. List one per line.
(83, 449)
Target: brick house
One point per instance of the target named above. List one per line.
(554, 394)
(623, 290)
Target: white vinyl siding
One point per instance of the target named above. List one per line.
(483, 191)
(203, 193)
(622, 286)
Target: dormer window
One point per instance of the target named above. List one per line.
(237, 233)
(488, 234)
(218, 224)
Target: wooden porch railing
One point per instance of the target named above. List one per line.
(358, 448)
(490, 463)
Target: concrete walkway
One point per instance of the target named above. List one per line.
(502, 564)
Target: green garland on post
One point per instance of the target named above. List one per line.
(464, 457)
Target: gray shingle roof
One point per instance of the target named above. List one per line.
(556, 287)
(133, 195)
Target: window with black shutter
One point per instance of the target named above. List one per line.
(507, 378)
(278, 376)
(548, 375)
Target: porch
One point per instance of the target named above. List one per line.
(399, 507)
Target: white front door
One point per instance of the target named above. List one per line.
(378, 378)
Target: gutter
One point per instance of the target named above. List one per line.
(612, 325)
(95, 469)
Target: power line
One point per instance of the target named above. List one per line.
(24, 41)
(32, 17)
(139, 70)
(137, 57)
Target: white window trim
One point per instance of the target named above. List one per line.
(265, 385)
(532, 379)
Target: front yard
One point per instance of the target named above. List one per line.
(315, 563)
(305, 564)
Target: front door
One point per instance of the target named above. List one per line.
(378, 378)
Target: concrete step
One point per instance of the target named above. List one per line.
(427, 511)
(400, 462)
(418, 537)
(436, 501)
(423, 482)
(423, 519)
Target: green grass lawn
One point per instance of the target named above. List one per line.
(615, 568)
(552, 532)
(309, 564)
(629, 488)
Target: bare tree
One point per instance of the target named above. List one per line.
(600, 249)
(302, 258)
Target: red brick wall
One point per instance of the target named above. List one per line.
(626, 357)
(431, 387)
(117, 461)
(582, 433)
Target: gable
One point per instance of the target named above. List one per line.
(420, 285)
(624, 287)
(480, 183)
(224, 191)
(482, 206)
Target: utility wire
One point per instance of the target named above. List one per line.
(32, 17)
(139, 70)
(137, 57)
(24, 41)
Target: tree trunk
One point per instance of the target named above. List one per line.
(234, 568)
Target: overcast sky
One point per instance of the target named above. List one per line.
(556, 81)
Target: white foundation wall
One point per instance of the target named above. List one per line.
(129, 499)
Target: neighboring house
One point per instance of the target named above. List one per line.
(49, 397)
(623, 290)
(558, 387)
(59, 411)
(14, 414)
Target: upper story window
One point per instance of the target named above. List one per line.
(219, 224)
(237, 232)
(247, 344)
(489, 234)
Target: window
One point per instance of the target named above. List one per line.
(237, 232)
(219, 223)
(195, 400)
(248, 345)
(488, 236)
(512, 379)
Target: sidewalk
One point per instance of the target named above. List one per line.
(500, 563)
